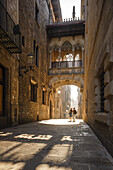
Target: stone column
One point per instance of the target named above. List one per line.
(73, 49)
(82, 56)
(59, 56)
(50, 54)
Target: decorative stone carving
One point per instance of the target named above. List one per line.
(56, 48)
(78, 46)
(66, 46)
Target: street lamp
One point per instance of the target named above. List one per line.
(30, 58)
(59, 91)
(30, 62)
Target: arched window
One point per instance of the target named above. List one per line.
(66, 49)
(56, 53)
(77, 57)
(78, 46)
(68, 57)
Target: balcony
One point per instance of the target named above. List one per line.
(10, 36)
(66, 68)
(67, 28)
(67, 64)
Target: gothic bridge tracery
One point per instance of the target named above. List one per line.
(65, 55)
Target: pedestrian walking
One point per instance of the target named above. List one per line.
(74, 114)
(70, 114)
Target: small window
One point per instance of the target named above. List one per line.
(33, 92)
(23, 41)
(37, 56)
(43, 96)
(34, 47)
(36, 12)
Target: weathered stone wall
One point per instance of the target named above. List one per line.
(98, 59)
(13, 10)
(33, 30)
(10, 65)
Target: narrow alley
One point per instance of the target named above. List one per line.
(52, 144)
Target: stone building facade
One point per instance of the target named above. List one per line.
(33, 83)
(98, 79)
(23, 71)
(9, 48)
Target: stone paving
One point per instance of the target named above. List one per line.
(52, 144)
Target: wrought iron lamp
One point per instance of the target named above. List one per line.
(59, 91)
(30, 62)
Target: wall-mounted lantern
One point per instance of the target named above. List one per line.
(30, 58)
(30, 62)
(59, 91)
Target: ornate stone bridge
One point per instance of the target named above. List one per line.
(65, 57)
(66, 53)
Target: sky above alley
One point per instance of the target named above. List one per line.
(67, 8)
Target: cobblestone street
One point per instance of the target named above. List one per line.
(52, 144)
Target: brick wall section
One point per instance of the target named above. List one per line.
(99, 48)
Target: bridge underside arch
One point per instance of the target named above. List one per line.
(58, 81)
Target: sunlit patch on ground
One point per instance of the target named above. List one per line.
(46, 166)
(12, 165)
(48, 147)
(64, 151)
(68, 138)
(5, 134)
(61, 122)
(19, 151)
(32, 137)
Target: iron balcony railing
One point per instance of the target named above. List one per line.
(67, 64)
(10, 36)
